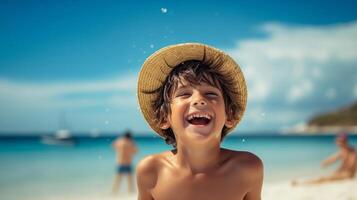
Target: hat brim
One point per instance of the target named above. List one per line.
(159, 65)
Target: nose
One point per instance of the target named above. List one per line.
(201, 103)
(199, 100)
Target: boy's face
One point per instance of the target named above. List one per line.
(197, 112)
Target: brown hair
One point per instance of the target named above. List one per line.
(194, 72)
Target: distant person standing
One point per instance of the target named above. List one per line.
(125, 151)
(347, 169)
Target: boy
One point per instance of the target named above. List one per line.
(125, 150)
(192, 95)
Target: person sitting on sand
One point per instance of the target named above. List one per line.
(347, 169)
(125, 150)
(193, 95)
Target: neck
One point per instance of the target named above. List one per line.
(198, 158)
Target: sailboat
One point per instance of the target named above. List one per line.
(62, 136)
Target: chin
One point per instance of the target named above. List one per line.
(201, 135)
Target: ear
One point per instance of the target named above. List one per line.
(165, 125)
(229, 123)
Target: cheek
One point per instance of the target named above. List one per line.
(221, 114)
(220, 108)
(178, 110)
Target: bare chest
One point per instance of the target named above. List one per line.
(172, 186)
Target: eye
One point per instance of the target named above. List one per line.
(183, 94)
(212, 94)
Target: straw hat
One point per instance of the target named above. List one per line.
(159, 65)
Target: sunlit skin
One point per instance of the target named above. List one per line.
(125, 150)
(199, 169)
(348, 165)
(348, 157)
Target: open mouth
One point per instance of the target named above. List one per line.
(199, 119)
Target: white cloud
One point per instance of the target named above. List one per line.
(262, 118)
(59, 88)
(36, 105)
(319, 43)
(49, 94)
(291, 54)
(299, 65)
(300, 90)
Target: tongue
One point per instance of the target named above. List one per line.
(199, 121)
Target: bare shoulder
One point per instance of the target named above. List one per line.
(246, 169)
(148, 169)
(243, 157)
(249, 158)
(152, 161)
(249, 163)
(116, 142)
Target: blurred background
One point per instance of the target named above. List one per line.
(68, 73)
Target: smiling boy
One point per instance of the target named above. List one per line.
(193, 95)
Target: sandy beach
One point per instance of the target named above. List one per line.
(341, 190)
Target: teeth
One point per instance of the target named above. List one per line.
(199, 115)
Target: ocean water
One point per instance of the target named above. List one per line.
(30, 168)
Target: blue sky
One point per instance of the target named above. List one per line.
(82, 58)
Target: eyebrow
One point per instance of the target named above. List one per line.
(181, 87)
(206, 86)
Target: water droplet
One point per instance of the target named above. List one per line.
(164, 10)
(243, 140)
(151, 46)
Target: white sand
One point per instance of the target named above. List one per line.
(341, 190)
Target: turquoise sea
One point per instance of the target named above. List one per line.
(31, 168)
